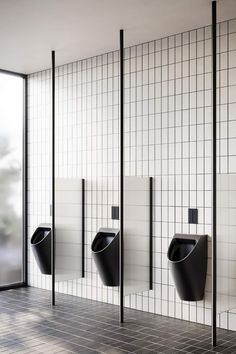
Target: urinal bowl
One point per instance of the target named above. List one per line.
(41, 246)
(187, 255)
(105, 252)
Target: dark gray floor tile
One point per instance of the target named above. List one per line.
(28, 324)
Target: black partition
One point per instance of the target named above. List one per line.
(53, 181)
(121, 176)
(214, 172)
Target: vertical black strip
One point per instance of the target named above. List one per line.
(121, 273)
(83, 229)
(151, 234)
(25, 185)
(53, 181)
(214, 170)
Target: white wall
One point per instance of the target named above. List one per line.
(167, 136)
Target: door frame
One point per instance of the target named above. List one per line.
(24, 186)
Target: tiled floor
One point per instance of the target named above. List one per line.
(28, 324)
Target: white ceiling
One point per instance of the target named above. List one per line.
(76, 29)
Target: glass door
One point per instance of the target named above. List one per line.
(11, 179)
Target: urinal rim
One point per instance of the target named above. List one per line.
(96, 252)
(37, 243)
(183, 259)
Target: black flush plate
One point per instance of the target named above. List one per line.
(115, 212)
(193, 216)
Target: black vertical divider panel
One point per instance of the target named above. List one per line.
(83, 228)
(151, 234)
(25, 185)
(214, 177)
(53, 182)
(121, 245)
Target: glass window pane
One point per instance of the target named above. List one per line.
(11, 187)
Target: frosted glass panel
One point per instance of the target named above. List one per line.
(226, 242)
(68, 222)
(136, 234)
(11, 191)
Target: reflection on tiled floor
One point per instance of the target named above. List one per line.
(28, 324)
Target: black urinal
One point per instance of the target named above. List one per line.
(41, 246)
(187, 255)
(105, 251)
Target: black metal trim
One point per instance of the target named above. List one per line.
(25, 184)
(83, 228)
(12, 286)
(53, 181)
(9, 72)
(151, 233)
(214, 177)
(121, 245)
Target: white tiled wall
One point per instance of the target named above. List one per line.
(167, 136)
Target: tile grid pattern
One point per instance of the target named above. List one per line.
(167, 136)
(89, 327)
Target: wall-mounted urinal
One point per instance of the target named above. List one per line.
(41, 246)
(105, 252)
(187, 255)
